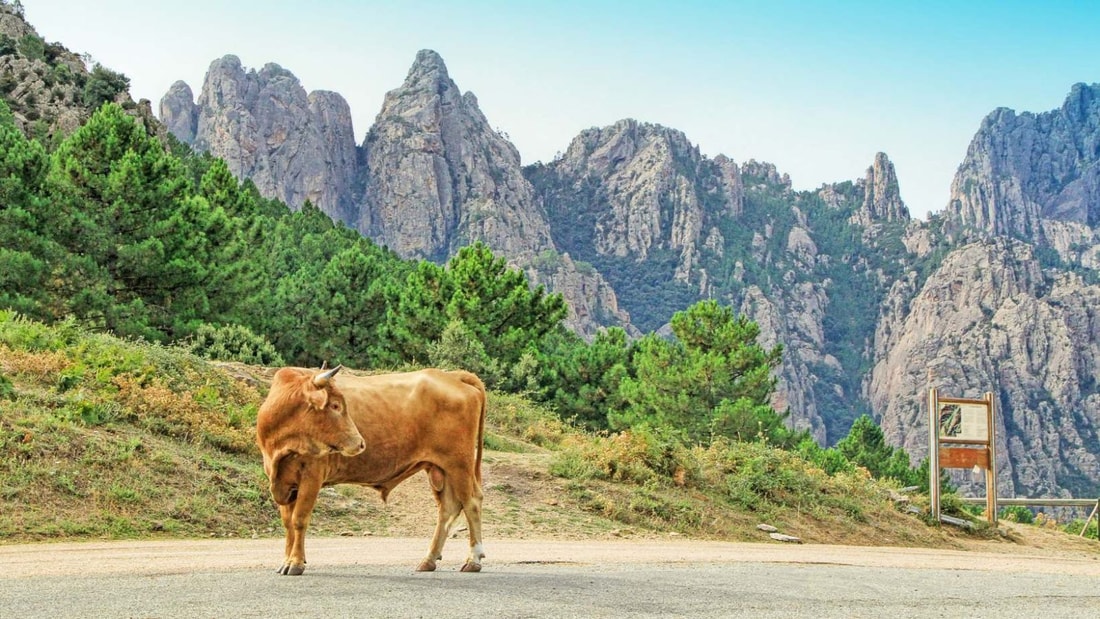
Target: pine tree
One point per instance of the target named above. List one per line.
(713, 380)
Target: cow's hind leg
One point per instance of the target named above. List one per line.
(449, 508)
(471, 506)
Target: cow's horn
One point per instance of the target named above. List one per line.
(322, 379)
(324, 365)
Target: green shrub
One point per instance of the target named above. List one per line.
(640, 455)
(1091, 530)
(7, 45)
(458, 348)
(33, 47)
(233, 343)
(19, 332)
(1017, 513)
(514, 415)
(828, 459)
(103, 86)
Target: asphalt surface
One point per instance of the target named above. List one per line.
(374, 577)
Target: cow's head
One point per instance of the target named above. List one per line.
(305, 414)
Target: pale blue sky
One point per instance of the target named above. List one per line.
(815, 88)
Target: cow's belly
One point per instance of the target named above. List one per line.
(382, 479)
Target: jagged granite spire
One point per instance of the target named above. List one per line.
(439, 177)
(881, 198)
(295, 147)
(179, 113)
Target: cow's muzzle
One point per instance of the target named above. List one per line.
(354, 451)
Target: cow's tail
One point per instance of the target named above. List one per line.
(474, 381)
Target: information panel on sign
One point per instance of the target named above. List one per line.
(964, 422)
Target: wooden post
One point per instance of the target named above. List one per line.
(991, 470)
(933, 454)
(1089, 519)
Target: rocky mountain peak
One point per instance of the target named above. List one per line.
(440, 177)
(272, 72)
(1024, 170)
(428, 69)
(648, 188)
(295, 147)
(1081, 103)
(766, 172)
(881, 198)
(12, 23)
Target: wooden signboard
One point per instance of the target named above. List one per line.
(953, 423)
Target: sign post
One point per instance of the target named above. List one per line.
(961, 436)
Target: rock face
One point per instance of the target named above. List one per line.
(990, 319)
(636, 164)
(794, 320)
(592, 301)
(1024, 168)
(439, 177)
(295, 147)
(648, 199)
(179, 113)
(1003, 313)
(640, 197)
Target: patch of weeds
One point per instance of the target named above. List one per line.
(66, 484)
(91, 412)
(126, 450)
(70, 378)
(123, 494)
(20, 332)
(497, 442)
(119, 526)
(163, 462)
(7, 390)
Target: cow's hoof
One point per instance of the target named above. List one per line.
(470, 566)
(291, 570)
(426, 565)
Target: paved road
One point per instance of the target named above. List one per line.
(373, 577)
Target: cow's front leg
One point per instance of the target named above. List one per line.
(285, 513)
(296, 516)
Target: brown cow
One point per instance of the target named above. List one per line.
(374, 431)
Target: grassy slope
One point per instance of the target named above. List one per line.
(102, 438)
